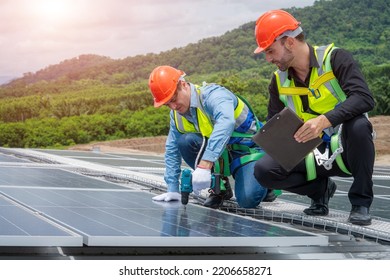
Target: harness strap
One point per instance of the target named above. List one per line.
(337, 148)
(311, 172)
(244, 148)
(313, 89)
(221, 166)
(339, 93)
(241, 161)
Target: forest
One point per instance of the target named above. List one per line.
(95, 98)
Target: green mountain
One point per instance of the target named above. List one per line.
(94, 98)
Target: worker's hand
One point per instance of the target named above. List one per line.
(201, 179)
(312, 129)
(169, 196)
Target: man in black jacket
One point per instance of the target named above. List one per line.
(324, 102)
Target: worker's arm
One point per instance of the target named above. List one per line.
(172, 157)
(173, 167)
(206, 164)
(359, 98)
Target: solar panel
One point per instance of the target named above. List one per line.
(176, 226)
(109, 214)
(21, 227)
(131, 218)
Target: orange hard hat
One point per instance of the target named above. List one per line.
(271, 25)
(163, 83)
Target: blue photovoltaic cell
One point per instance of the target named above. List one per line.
(20, 227)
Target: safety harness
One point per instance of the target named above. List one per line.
(249, 153)
(325, 81)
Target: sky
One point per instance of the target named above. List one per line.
(37, 33)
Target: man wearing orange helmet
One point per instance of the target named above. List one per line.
(325, 87)
(204, 121)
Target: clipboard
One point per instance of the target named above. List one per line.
(276, 138)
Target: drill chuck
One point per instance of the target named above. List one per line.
(184, 198)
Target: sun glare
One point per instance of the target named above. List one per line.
(52, 10)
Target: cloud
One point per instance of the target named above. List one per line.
(35, 34)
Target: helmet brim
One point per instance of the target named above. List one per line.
(158, 104)
(258, 50)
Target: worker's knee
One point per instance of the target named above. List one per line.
(190, 142)
(248, 202)
(189, 146)
(249, 193)
(357, 127)
(357, 139)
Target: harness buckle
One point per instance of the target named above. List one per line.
(315, 92)
(321, 158)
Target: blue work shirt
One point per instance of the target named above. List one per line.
(219, 104)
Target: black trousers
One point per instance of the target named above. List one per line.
(358, 156)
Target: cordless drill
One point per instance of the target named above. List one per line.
(186, 184)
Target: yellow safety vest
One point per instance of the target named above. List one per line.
(322, 96)
(324, 93)
(205, 125)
